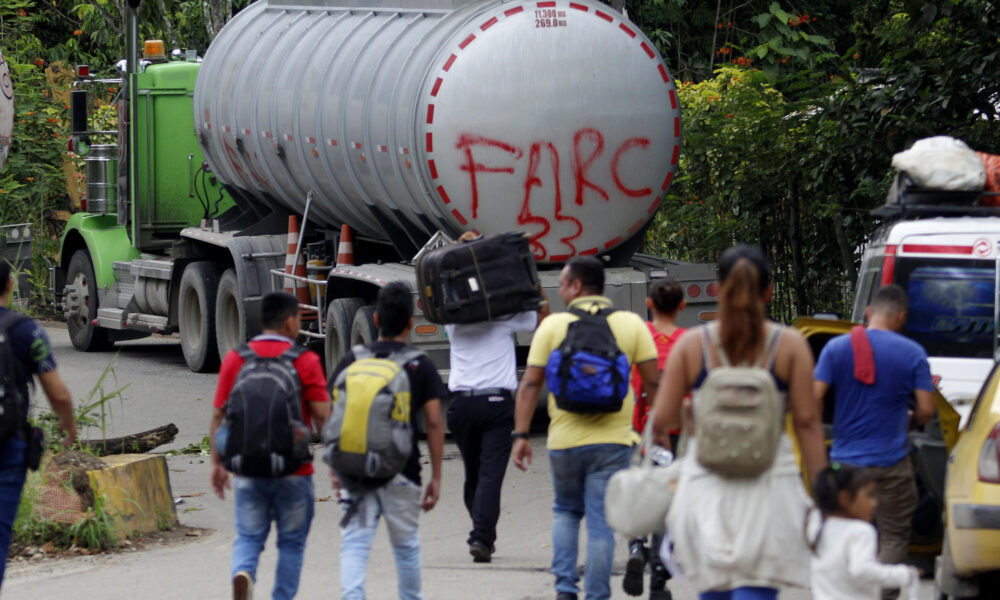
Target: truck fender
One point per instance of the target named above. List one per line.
(89, 231)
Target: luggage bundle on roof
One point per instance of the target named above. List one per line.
(941, 176)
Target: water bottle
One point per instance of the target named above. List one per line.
(660, 456)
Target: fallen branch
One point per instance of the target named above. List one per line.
(136, 443)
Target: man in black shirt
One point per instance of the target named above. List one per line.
(399, 500)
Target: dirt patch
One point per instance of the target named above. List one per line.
(175, 536)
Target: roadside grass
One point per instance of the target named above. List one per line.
(95, 529)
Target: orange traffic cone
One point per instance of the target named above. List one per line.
(345, 250)
(297, 289)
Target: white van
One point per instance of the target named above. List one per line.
(948, 266)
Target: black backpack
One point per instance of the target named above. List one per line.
(588, 373)
(12, 381)
(265, 435)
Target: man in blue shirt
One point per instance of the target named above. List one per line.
(871, 420)
(32, 356)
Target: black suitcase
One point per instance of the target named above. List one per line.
(481, 280)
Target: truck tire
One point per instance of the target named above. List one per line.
(196, 316)
(363, 330)
(339, 321)
(80, 300)
(230, 314)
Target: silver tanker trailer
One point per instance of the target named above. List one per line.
(407, 125)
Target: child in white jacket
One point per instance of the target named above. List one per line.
(844, 564)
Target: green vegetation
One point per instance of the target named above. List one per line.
(94, 529)
(90, 412)
(791, 115)
(202, 448)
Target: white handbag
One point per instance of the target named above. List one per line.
(637, 499)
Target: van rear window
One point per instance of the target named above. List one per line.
(951, 305)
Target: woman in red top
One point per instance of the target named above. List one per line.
(665, 302)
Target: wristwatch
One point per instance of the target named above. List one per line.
(518, 435)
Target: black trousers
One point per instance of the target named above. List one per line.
(481, 427)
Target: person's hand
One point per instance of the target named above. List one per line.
(468, 236)
(334, 480)
(69, 432)
(521, 453)
(431, 494)
(220, 480)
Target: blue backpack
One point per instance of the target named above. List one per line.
(588, 373)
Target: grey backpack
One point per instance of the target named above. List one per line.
(738, 411)
(369, 434)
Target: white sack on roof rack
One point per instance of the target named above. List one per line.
(943, 163)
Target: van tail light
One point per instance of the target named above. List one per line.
(989, 457)
(889, 265)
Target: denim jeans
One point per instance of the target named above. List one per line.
(12, 474)
(580, 476)
(289, 502)
(398, 502)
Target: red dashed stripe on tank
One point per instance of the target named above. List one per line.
(666, 181)
(643, 45)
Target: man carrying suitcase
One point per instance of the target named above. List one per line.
(482, 382)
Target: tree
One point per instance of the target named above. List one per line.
(796, 155)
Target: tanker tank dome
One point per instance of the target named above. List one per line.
(555, 118)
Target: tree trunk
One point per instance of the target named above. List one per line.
(168, 25)
(209, 25)
(136, 443)
(846, 252)
(802, 304)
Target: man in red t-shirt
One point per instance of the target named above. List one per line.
(286, 500)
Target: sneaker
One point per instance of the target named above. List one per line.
(634, 569)
(242, 586)
(663, 594)
(481, 553)
(565, 596)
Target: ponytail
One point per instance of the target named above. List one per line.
(741, 312)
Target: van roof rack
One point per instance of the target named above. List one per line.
(899, 211)
(907, 200)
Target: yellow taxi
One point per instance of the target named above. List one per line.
(969, 565)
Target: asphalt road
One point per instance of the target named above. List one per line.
(162, 390)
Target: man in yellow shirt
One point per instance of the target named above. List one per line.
(584, 449)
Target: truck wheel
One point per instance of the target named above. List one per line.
(80, 303)
(363, 330)
(339, 319)
(230, 314)
(196, 316)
